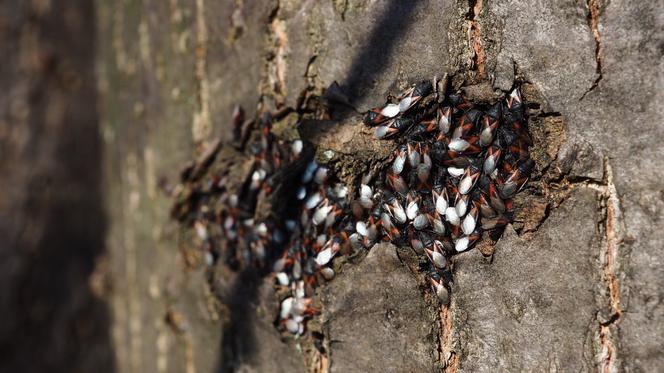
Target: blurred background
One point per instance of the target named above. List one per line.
(52, 219)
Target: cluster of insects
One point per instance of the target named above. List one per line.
(453, 176)
(450, 182)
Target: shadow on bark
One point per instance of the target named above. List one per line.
(238, 341)
(372, 59)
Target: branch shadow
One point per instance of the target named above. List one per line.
(238, 340)
(373, 57)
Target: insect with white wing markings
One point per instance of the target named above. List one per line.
(455, 169)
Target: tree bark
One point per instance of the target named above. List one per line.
(577, 292)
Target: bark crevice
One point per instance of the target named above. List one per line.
(593, 23)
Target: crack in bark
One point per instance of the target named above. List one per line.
(593, 22)
(607, 357)
(475, 8)
(274, 84)
(447, 355)
(201, 126)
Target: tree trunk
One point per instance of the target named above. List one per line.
(573, 285)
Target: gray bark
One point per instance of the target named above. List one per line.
(579, 292)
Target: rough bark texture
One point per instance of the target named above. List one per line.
(578, 288)
(580, 292)
(377, 318)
